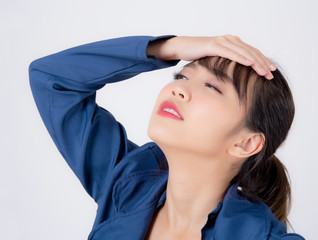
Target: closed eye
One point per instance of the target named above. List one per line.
(178, 76)
(211, 86)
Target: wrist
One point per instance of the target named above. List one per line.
(162, 49)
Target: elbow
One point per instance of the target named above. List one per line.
(32, 72)
(38, 79)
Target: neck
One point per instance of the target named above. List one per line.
(194, 189)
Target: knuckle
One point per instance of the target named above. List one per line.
(222, 38)
(237, 38)
(232, 37)
(217, 41)
(256, 50)
(226, 37)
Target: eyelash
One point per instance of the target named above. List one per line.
(176, 76)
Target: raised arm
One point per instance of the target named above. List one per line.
(64, 87)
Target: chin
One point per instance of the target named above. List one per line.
(165, 133)
(155, 132)
(161, 136)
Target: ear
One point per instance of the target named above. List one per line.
(251, 144)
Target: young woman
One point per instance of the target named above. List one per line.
(210, 172)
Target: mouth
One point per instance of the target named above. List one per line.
(169, 109)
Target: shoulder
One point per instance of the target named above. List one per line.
(242, 218)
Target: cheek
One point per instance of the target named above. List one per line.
(212, 123)
(213, 114)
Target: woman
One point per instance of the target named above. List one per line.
(210, 173)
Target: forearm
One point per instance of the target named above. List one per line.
(99, 61)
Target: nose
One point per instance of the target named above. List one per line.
(181, 92)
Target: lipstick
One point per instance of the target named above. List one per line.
(169, 109)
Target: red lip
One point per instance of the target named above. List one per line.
(171, 105)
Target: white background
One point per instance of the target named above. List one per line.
(40, 196)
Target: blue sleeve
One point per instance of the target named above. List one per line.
(64, 87)
(292, 236)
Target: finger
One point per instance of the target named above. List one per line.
(267, 64)
(241, 55)
(247, 50)
(238, 41)
(228, 52)
(260, 63)
(264, 59)
(271, 66)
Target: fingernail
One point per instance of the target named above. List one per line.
(272, 67)
(269, 76)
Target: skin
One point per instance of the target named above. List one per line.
(206, 149)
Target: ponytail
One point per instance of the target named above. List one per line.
(268, 181)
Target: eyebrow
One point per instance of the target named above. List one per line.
(219, 74)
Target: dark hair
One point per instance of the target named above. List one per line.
(270, 111)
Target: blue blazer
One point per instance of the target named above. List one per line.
(127, 181)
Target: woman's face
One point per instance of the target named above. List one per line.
(208, 117)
